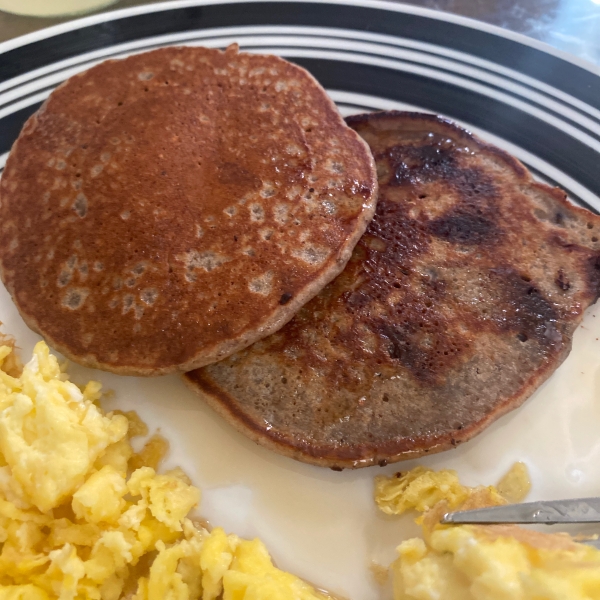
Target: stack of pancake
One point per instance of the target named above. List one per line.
(346, 294)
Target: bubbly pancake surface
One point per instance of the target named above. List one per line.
(165, 210)
(458, 302)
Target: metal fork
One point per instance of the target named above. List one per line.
(548, 512)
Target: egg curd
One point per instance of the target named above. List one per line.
(493, 562)
(83, 517)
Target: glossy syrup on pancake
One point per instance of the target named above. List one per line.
(458, 302)
(163, 211)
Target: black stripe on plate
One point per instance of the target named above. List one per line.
(491, 86)
(264, 46)
(545, 67)
(25, 97)
(11, 125)
(358, 107)
(267, 48)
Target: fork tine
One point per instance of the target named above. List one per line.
(579, 510)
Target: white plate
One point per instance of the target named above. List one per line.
(538, 104)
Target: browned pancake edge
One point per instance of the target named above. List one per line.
(166, 210)
(539, 305)
(359, 455)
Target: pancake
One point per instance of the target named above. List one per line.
(458, 302)
(163, 211)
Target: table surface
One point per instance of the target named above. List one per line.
(569, 25)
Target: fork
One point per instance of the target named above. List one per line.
(546, 512)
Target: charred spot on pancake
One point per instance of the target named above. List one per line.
(419, 337)
(439, 159)
(401, 314)
(285, 298)
(408, 164)
(463, 226)
(471, 221)
(473, 186)
(524, 308)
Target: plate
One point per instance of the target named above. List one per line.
(535, 102)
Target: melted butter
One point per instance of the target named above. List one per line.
(323, 525)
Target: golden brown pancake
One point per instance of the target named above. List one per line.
(458, 302)
(163, 211)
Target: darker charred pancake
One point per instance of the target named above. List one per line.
(163, 211)
(458, 302)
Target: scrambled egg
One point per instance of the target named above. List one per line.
(84, 518)
(421, 489)
(515, 485)
(494, 562)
